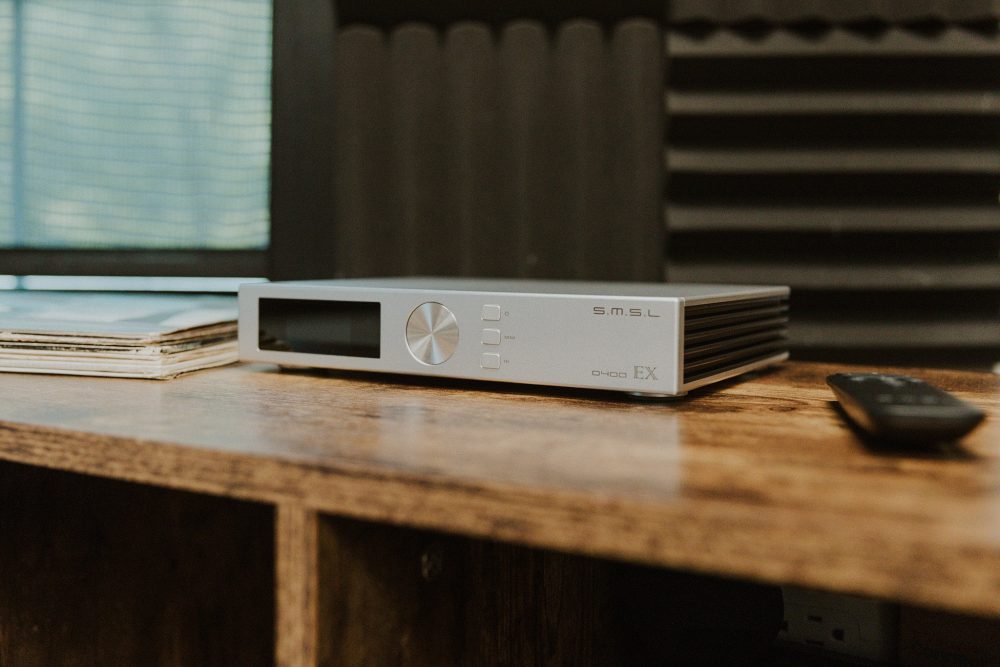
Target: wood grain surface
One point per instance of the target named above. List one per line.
(102, 572)
(758, 478)
(296, 578)
(399, 596)
(394, 596)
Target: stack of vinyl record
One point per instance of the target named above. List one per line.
(153, 336)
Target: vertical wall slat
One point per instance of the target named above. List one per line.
(485, 246)
(362, 154)
(419, 224)
(638, 181)
(581, 83)
(524, 61)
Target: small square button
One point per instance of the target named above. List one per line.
(491, 313)
(490, 361)
(491, 336)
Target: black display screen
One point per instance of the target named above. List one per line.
(343, 328)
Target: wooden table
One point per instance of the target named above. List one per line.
(330, 507)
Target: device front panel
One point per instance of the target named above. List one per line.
(628, 344)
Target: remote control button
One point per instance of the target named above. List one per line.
(491, 313)
(489, 360)
(491, 336)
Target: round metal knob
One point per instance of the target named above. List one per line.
(432, 333)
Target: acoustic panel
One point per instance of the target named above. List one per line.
(859, 164)
(786, 11)
(518, 149)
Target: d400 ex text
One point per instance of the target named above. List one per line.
(638, 373)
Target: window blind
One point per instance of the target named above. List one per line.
(134, 125)
(6, 119)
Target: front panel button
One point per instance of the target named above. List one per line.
(490, 361)
(491, 336)
(491, 313)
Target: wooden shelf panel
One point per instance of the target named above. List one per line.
(758, 478)
(101, 572)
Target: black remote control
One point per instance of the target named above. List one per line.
(903, 409)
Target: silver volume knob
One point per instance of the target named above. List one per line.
(432, 333)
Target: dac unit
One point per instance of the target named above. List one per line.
(647, 338)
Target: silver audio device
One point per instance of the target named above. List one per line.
(647, 338)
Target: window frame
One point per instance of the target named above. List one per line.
(302, 239)
(145, 263)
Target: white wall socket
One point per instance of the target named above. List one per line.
(845, 624)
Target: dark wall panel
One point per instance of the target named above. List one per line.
(508, 150)
(302, 128)
(471, 104)
(831, 10)
(363, 154)
(847, 148)
(858, 164)
(103, 572)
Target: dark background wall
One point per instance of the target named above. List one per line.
(849, 149)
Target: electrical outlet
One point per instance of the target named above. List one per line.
(845, 624)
